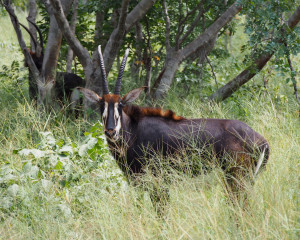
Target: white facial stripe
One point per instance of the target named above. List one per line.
(116, 113)
(104, 116)
(117, 119)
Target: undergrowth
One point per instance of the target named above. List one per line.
(59, 181)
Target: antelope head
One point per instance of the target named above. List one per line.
(112, 104)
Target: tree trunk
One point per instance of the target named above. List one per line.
(172, 62)
(53, 45)
(98, 38)
(137, 57)
(228, 89)
(91, 66)
(204, 42)
(32, 12)
(70, 55)
(148, 66)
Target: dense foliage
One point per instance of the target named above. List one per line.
(58, 179)
(262, 21)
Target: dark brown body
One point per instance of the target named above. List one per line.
(136, 134)
(144, 135)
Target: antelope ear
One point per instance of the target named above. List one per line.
(132, 95)
(90, 95)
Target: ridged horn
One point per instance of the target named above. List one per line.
(121, 71)
(31, 36)
(40, 35)
(104, 80)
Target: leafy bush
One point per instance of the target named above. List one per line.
(57, 164)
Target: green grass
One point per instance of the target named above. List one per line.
(86, 198)
(101, 205)
(9, 46)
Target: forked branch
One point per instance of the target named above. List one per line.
(21, 41)
(81, 52)
(167, 19)
(258, 64)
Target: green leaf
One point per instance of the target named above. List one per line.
(59, 165)
(47, 139)
(60, 142)
(13, 190)
(46, 184)
(35, 152)
(16, 151)
(6, 202)
(65, 209)
(83, 150)
(66, 150)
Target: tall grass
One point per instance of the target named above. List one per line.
(9, 46)
(96, 208)
(97, 203)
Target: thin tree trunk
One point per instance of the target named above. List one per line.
(33, 87)
(173, 61)
(137, 57)
(293, 80)
(70, 55)
(91, 65)
(148, 66)
(32, 16)
(176, 57)
(34, 74)
(98, 38)
(228, 89)
(53, 45)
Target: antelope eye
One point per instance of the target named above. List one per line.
(101, 103)
(121, 104)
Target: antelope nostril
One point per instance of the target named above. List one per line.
(110, 133)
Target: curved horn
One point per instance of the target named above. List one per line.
(31, 36)
(104, 81)
(40, 34)
(27, 30)
(121, 71)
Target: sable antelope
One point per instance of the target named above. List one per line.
(131, 129)
(62, 88)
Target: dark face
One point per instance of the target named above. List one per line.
(111, 111)
(111, 106)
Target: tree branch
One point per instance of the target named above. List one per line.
(258, 63)
(212, 70)
(98, 28)
(81, 52)
(138, 13)
(116, 38)
(193, 25)
(32, 16)
(123, 16)
(180, 27)
(293, 80)
(70, 54)
(213, 29)
(21, 41)
(167, 19)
